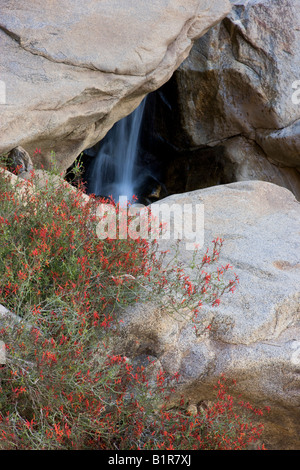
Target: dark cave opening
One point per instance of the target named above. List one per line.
(165, 162)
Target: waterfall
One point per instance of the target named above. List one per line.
(113, 171)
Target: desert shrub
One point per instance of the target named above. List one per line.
(62, 386)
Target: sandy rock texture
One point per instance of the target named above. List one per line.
(72, 69)
(255, 331)
(240, 84)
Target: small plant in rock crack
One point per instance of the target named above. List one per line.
(75, 173)
(63, 386)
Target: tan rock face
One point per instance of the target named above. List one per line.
(234, 159)
(244, 160)
(240, 79)
(255, 334)
(73, 69)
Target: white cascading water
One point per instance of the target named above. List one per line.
(113, 172)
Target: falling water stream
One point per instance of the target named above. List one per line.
(113, 172)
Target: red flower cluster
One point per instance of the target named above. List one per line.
(63, 386)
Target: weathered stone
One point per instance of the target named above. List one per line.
(239, 80)
(28, 182)
(282, 145)
(244, 160)
(255, 333)
(235, 159)
(20, 186)
(73, 69)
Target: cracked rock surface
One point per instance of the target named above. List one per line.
(73, 68)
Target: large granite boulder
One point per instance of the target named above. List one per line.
(244, 160)
(255, 332)
(70, 69)
(241, 79)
